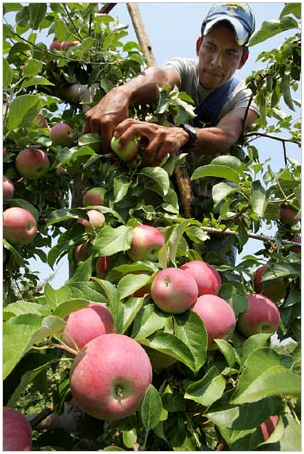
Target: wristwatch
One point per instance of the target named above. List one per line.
(192, 136)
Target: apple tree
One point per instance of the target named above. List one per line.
(243, 393)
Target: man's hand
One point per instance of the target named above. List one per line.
(106, 115)
(157, 140)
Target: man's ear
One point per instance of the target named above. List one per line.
(198, 44)
(244, 58)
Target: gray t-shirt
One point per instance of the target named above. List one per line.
(187, 69)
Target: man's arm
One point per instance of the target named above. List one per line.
(114, 106)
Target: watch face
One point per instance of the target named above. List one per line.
(192, 136)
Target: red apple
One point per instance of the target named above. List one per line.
(62, 134)
(81, 252)
(110, 376)
(85, 324)
(268, 426)
(55, 45)
(173, 290)
(101, 266)
(17, 431)
(19, 226)
(66, 44)
(261, 316)
(206, 276)
(218, 317)
(274, 290)
(288, 216)
(32, 163)
(94, 196)
(297, 249)
(8, 188)
(128, 153)
(95, 222)
(146, 243)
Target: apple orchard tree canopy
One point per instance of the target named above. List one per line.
(199, 380)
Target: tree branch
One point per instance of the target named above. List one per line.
(270, 136)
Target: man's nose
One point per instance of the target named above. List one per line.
(217, 59)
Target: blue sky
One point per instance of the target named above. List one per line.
(173, 28)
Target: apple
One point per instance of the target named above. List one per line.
(297, 249)
(85, 324)
(268, 426)
(66, 44)
(8, 188)
(206, 276)
(62, 134)
(17, 431)
(19, 226)
(55, 45)
(110, 376)
(94, 196)
(95, 221)
(32, 163)
(146, 243)
(81, 252)
(128, 153)
(274, 290)
(261, 316)
(174, 290)
(289, 216)
(101, 266)
(218, 317)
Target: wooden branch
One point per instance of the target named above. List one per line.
(141, 33)
(270, 136)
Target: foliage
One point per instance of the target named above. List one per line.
(206, 400)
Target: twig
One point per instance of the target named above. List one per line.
(270, 136)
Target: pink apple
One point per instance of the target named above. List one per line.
(110, 376)
(218, 317)
(62, 134)
(19, 226)
(32, 163)
(81, 252)
(289, 216)
(66, 44)
(268, 426)
(101, 266)
(297, 249)
(275, 291)
(17, 431)
(206, 276)
(55, 45)
(95, 222)
(261, 316)
(146, 243)
(128, 153)
(94, 196)
(174, 290)
(8, 188)
(85, 324)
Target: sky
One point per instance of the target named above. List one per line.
(173, 28)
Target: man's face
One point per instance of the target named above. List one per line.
(219, 56)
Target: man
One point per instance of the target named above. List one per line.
(221, 51)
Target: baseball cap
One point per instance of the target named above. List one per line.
(239, 15)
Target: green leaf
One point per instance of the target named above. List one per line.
(37, 14)
(258, 199)
(130, 283)
(55, 297)
(219, 171)
(190, 329)
(221, 190)
(22, 332)
(36, 80)
(32, 67)
(7, 74)
(23, 110)
(286, 91)
(207, 390)
(130, 310)
(111, 240)
(169, 250)
(147, 321)
(114, 303)
(271, 28)
(65, 308)
(24, 307)
(273, 381)
(227, 350)
(159, 175)
(151, 408)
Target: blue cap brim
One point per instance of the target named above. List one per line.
(241, 34)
